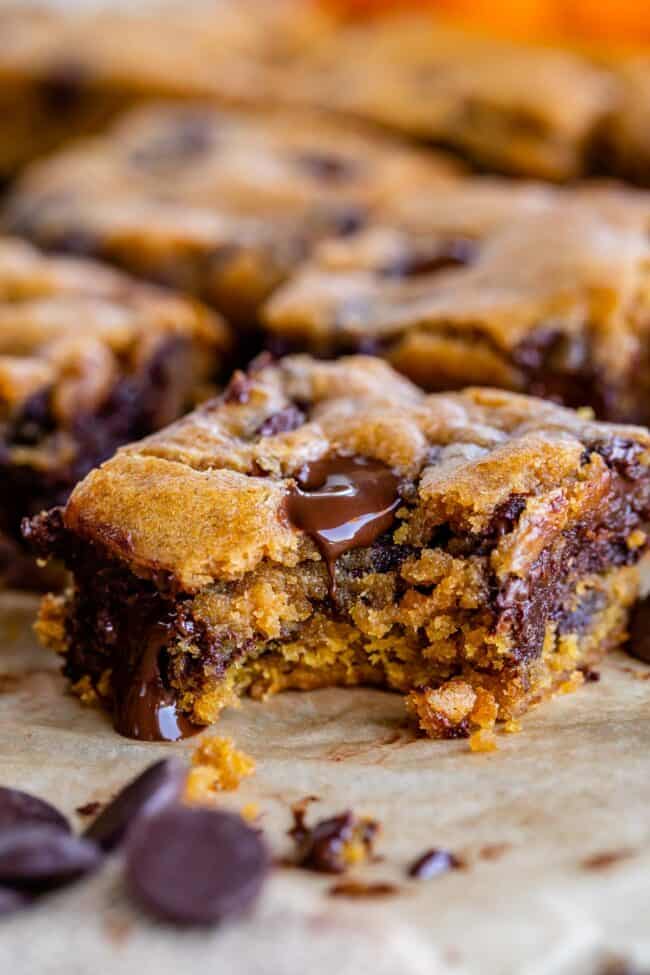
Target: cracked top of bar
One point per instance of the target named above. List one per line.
(75, 327)
(220, 203)
(206, 499)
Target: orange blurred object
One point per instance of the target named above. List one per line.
(602, 21)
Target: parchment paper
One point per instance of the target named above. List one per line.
(573, 784)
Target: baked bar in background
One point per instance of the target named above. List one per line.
(523, 287)
(508, 107)
(220, 204)
(330, 524)
(64, 72)
(89, 359)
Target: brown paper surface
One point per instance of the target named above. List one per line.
(573, 784)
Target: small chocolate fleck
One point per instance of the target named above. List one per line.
(159, 785)
(333, 845)
(38, 858)
(327, 167)
(356, 889)
(590, 676)
(343, 503)
(432, 863)
(22, 809)
(447, 254)
(605, 860)
(195, 866)
(493, 851)
(88, 809)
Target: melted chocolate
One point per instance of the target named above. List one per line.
(343, 503)
(144, 707)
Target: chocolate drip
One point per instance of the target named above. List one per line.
(343, 503)
(144, 708)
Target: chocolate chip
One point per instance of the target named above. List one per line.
(440, 257)
(159, 785)
(11, 901)
(327, 167)
(324, 847)
(20, 809)
(290, 418)
(432, 863)
(186, 139)
(37, 858)
(195, 866)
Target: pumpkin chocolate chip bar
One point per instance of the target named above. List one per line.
(221, 204)
(89, 359)
(329, 524)
(540, 291)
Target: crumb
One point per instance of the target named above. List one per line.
(572, 684)
(250, 811)
(512, 727)
(636, 539)
(217, 766)
(483, 741)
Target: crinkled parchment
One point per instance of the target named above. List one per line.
(574, 784)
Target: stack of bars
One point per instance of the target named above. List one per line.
(410, 463)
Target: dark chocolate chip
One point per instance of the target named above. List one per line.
(446, 254)
(323, 846)
(158, 786)
(37, 858)
(20, 809)
(195, 866)
(432, 863)
(11, 901)
(622, 456)
(290, 418)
